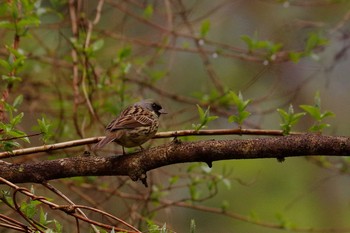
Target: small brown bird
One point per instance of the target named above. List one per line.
(136, 125)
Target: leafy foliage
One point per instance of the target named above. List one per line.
(23, 14)
(205, 27)
(137, 55)
(241, 106)
(45, 128)
(148, 11)
(154, 228)
(33, 211)
(289, 119)
(314, 41)
(204, 118)
(193, 226)
(255, 44)
(315, 112)
(9, 130)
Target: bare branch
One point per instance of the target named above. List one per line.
(136, 165)
(168, 134)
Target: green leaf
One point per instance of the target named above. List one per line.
(5, 127)
(29, 21)
(9, 109)
(17, 133)
(148, 11)
(18, 101)
(17, 119)
(312, 110)
(192, 167)
(43, 217)
(201, 113)
(205, 27)
(319, 127)
(236, 99)
(30, 208)
(327, 114)
(205, 169)
(97, 45)
(289, 119)
(244, 115)
(7, 25)
(317, 99)
(268, 46)
(211, 118)
(314, 40)
(261, 44)
(193, 226)
(125, 67)
(224, 205)
(46, 128)
(204, 118)
(248, 41)
(156, 75)
(6, 197)
(227, 183)
(6, 65)
(58, 226)
(284, 223)
(296, 117)
(316, 114)
(195, 193)
(241, 105)
(173, 180)
(274, 47)
(156, 194)
(11, 79)
(123, 53)
(233, 118)
(9, 145)
(153, 228)
(295, 56)
(283, 114)
(254, 216)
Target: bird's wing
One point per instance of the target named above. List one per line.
(129, 122)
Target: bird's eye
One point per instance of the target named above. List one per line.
(154, 105)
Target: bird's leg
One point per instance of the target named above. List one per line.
(141, 147)
(123, 150)
(176, 140)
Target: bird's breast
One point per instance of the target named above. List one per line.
(137, 136)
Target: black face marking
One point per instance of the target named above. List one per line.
(156, 107)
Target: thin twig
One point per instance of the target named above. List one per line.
(168, 134)
(68, 209)
(25, 136)
(59, 193)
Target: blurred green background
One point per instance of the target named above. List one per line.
(172, 51)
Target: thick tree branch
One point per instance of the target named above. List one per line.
(137, 164)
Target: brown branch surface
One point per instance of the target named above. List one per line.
(136, 165)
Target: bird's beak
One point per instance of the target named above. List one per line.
(162, 111)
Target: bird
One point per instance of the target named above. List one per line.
(135, 125)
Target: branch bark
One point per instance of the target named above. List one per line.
(136, 165)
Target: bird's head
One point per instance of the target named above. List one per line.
(152, 106)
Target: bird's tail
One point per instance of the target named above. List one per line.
(103, 142)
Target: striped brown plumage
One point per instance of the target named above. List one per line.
(134, 126)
